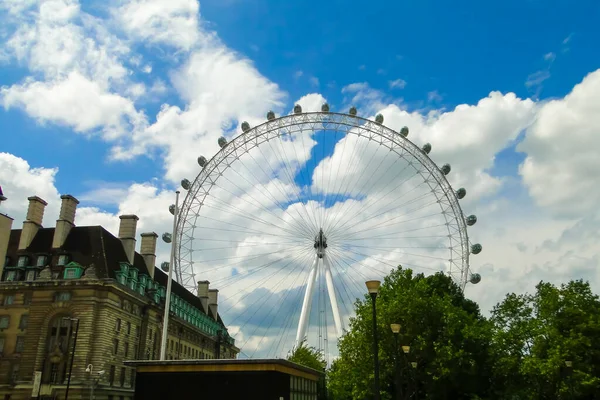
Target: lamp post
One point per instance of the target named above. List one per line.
(396, 331)
(165, 331)
(90, 370)
(373, 288)
(569, 365)
(73, 352)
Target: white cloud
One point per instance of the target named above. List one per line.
(298, 74)
(171, 22)
(76, 102)
(550, 57)
(537, 78)
(561, 167)
(434, 96)
(397, 84)
(314, 81)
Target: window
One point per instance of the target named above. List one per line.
(1, 345)
(63, 259)
(11, 276)
(22, 261)
(118, 325)
(60, 334)
(115, 346)
(41, 261)
(23, 322)
(135, 351)
(20, 344)
(9, 299)
(137, 331)
(14, 373)
(30, 275)
(63, 296)
(122, 380)
(111, 375)
(27, 297)
(132, 378)
(6, 261)
(125, 349)
(128, 327)
(72, 273)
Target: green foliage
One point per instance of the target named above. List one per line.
(449, 340)
(308, 356)
(519, 353)
(534, 334)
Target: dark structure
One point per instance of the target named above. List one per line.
(226, 380)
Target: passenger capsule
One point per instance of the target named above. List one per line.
(379, 119)
(475, 279)
(476, 248)
(202, 161)
(222, 142)
(245, 126)
(352, 111)
(426, 148)
(471, 220)
(172, 209)
(404, 131)
(186, 184)
(325, 107)
(166, 237)
(446, 169)
(270, 115)
(461, 193)
(297, 109)
(165, 266)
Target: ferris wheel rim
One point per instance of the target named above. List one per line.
(352, 123)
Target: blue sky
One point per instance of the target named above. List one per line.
(114, 101)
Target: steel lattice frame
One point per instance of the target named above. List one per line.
(321, 121)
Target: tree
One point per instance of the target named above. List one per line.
(533, 336)
(308, 357)
(449, 339)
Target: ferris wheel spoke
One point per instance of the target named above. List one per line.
(391, 265)
(263, 300)
(341, 256)
(302, 221)
(388, 222)
(270, 225)
(291, 179)
(391, 203)
(261, 206)
(347, 192)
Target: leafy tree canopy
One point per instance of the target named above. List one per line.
(308, 357)
(449, 340)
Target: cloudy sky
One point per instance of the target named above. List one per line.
(113, 102)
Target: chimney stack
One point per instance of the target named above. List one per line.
(203, 294)
(5, 227)
(148, 251)
(65, 221)
(127, 229)
(213, 295)
(33, 221)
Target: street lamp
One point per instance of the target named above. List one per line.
(168, 238)
(90, 370)
(70, 319)
(396, 331)
(373, 288)
(569, 365)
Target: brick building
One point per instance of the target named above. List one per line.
(81, 287)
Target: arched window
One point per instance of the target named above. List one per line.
(60, 333)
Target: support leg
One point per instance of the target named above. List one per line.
(332, 299)
(304, 314)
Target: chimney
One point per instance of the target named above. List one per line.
(148, 251)
(5, 227)
(127, 235)
(203, 294)
(65, 221)
(213, 295)
(33, 221)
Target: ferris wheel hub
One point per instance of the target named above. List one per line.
(320, 243)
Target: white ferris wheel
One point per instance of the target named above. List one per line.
(291, 217)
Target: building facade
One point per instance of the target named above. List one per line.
(76, 302)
